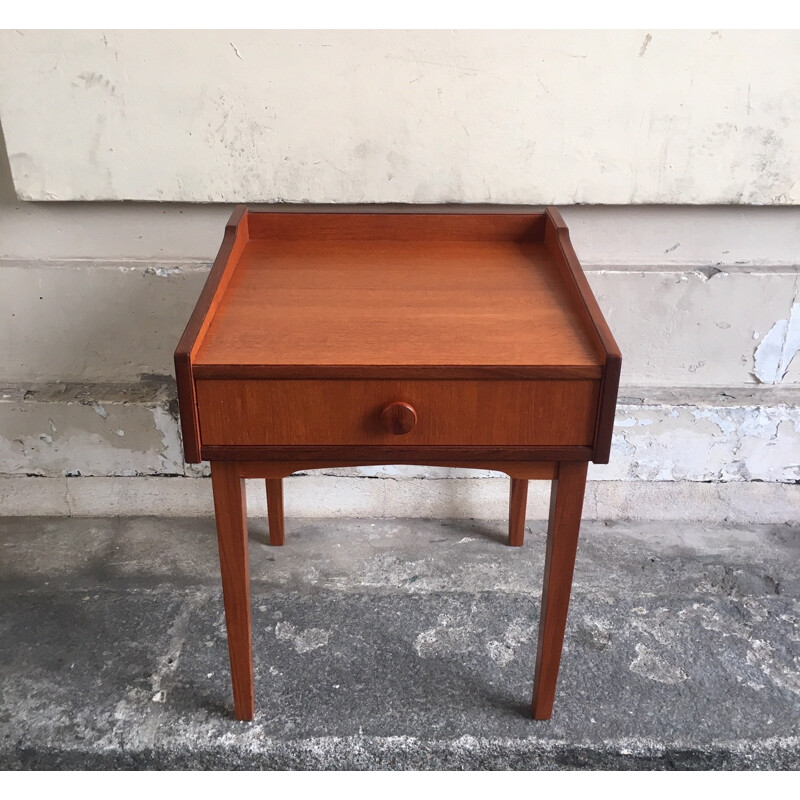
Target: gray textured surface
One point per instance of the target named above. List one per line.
(397, 644)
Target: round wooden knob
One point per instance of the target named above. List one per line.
(398, 418)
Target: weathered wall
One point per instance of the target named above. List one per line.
(611, 117)
(704, 300)
(690, 293)
(93, 300)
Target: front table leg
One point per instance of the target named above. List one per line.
(566, 507)
(231, 512)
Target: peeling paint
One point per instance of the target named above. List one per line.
(707, 273)
(167, 425)
(778, 347)
(163, 272)
(721, 436)
(60, 429)
(714, 442)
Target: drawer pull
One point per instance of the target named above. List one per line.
(398, 418)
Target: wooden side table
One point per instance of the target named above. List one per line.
(340, 339)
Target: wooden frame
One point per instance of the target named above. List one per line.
(259, 380)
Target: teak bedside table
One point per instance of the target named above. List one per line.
(339, 339)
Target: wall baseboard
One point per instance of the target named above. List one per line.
(323, 496)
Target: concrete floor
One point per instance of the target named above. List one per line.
(397, 644)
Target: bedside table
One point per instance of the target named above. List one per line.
(354, 339)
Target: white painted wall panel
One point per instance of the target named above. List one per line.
(100, 431)
(685, 329)
(404, 116)
(646, 237)
(114, 321)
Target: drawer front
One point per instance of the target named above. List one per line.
(354, 412)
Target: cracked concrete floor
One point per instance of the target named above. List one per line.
(397, 644)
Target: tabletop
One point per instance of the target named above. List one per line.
(411, 296)
(392, 289)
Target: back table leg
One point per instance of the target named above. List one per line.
(517, 506)
(275, 510)
(231, 511)
(566, 507)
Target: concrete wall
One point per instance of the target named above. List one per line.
(404, 116)
(704, 300)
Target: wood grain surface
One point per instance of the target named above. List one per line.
(566, 507)
(529, 470)
(309, 412)
(344, 339)
(277, 532)
(398, 418)
(378, 303)
(448, 455)
(233, 242)
(234, 559)
(517, 507)
(558, 241)
(411, 226)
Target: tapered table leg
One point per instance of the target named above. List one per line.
(566, 507)
(275, 510)
(517, 506)
(231, 511)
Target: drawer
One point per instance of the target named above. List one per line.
(391, 412)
